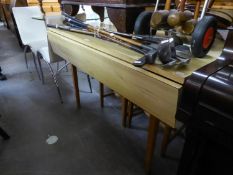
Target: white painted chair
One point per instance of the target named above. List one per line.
(46, 53)
(32, 32)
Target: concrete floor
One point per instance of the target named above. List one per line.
(91, 140)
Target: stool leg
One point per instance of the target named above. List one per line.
(58, 66)
(4, 134)
(165, 141)
(151, 138)
(34, 60)
(101, 94)
(40, 67)
(55, 81)
(25, 56)
(76, 87)
(124, 111)
(66, 66)
(89, 82)
(130, 114)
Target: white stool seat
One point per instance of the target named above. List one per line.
(45, 53)
(36, 45)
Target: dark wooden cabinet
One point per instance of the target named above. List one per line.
(122, 13)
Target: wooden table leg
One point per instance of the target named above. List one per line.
(151, 138)
(75, 82)
(130, 114)
(101, 94)
(124, 110)
(165, 141)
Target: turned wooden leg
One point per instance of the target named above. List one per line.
(100, 11)
(151, 138)
(125, 21)
(101, 94)
(124, 108)
(165, 141)
(76, 87)
(130, 113)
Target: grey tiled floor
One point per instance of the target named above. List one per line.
(90, 140)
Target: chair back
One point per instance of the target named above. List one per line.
(30, 29)
(54, 20)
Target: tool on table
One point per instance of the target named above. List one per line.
(159, 17)
(182, 22)
(71, 29)
(151, 50)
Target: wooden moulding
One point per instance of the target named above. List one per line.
(55, 8)
(218, 4)
(112, 3)
(51, 6)
(156, 95)
(8, 2)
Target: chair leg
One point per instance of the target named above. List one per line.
(55, 82)
(37, 71)
(4, 134)
(25, 56)
(101, 85)
(130, 114)
(58, 66)
(66, 66)
(89, 82)
(41, 70)
(124, 111)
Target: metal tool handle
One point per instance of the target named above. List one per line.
(205, 8)
(156, 5)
